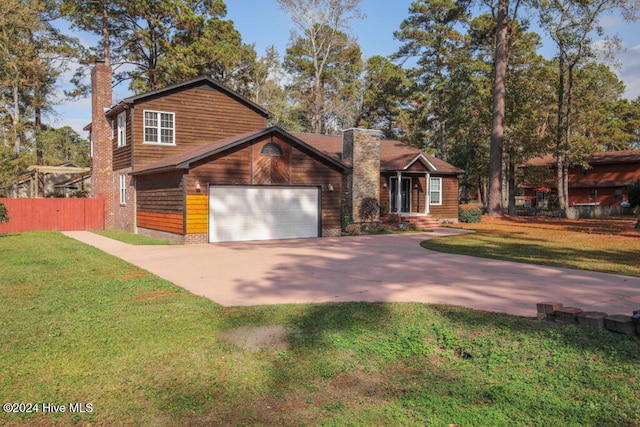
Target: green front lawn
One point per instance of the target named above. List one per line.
(80, 326)
(606, 245)
(131, 238)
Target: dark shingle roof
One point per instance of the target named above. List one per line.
(608, 157)
(394, 155)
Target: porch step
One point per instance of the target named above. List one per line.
(422, 221)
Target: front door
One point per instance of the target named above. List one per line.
(405, 195)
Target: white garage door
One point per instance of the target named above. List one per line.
(239, 213)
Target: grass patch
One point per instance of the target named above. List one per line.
(78, 325)
(604, 245)
(131, 238)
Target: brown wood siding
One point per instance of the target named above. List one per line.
(201, 116)
(121, 155)
(197, 214)
(449, 207)
(418, 194)
(307, 170)
(171, 223)
(417, 167)
(261, 170)
(160, 193)
(231, 169)
(245, 166)
(385, 201)
(605, 172)
(269, 169)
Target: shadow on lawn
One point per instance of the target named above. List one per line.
(611, 225)
(524, 248)
(437, 361)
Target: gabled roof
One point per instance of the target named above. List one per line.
(73, 180)
(186, 158)
(394, 155)
(199, 81)
(608, 157)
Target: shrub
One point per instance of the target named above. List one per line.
(3, 213)
(346, 218)
(369, 208)
(353, 229)
(633, 190)
(469, 213)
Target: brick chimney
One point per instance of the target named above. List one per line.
(102, 181)
(361, 148)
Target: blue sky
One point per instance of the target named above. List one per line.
(263, 23)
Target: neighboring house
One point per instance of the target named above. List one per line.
(48, 181)
(76, 186)
(195, 163)
(604, 182)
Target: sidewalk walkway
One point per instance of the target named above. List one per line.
(370, 268)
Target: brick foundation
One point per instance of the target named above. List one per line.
(193, 239)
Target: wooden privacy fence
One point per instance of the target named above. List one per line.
(53, 214)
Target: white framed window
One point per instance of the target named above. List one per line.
(123, 189)
(122, 129)
(435, 189)
(159, 128)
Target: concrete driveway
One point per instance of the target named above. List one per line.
(370, 268)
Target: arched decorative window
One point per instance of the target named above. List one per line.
(271, 149)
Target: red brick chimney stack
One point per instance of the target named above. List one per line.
(102, 182)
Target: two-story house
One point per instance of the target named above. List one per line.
(195, 162)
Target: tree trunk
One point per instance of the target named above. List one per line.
(497, 122)
(16, 121)
(560, 182)
(560, 136)
(105, 34)
(512, 186)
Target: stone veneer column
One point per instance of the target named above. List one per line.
(101, 149)
(361, 148)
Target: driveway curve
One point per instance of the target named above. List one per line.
(370, 268)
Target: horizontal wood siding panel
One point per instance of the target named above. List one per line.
(449, 207)
(201, 116)
(121, 155)
(197, 214)
(306, 170)
(171, 223)
(232, 169)
(606, 172)
(160, 193)
(53, 214)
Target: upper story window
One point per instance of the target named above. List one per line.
(122, 129)
(159, 128)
